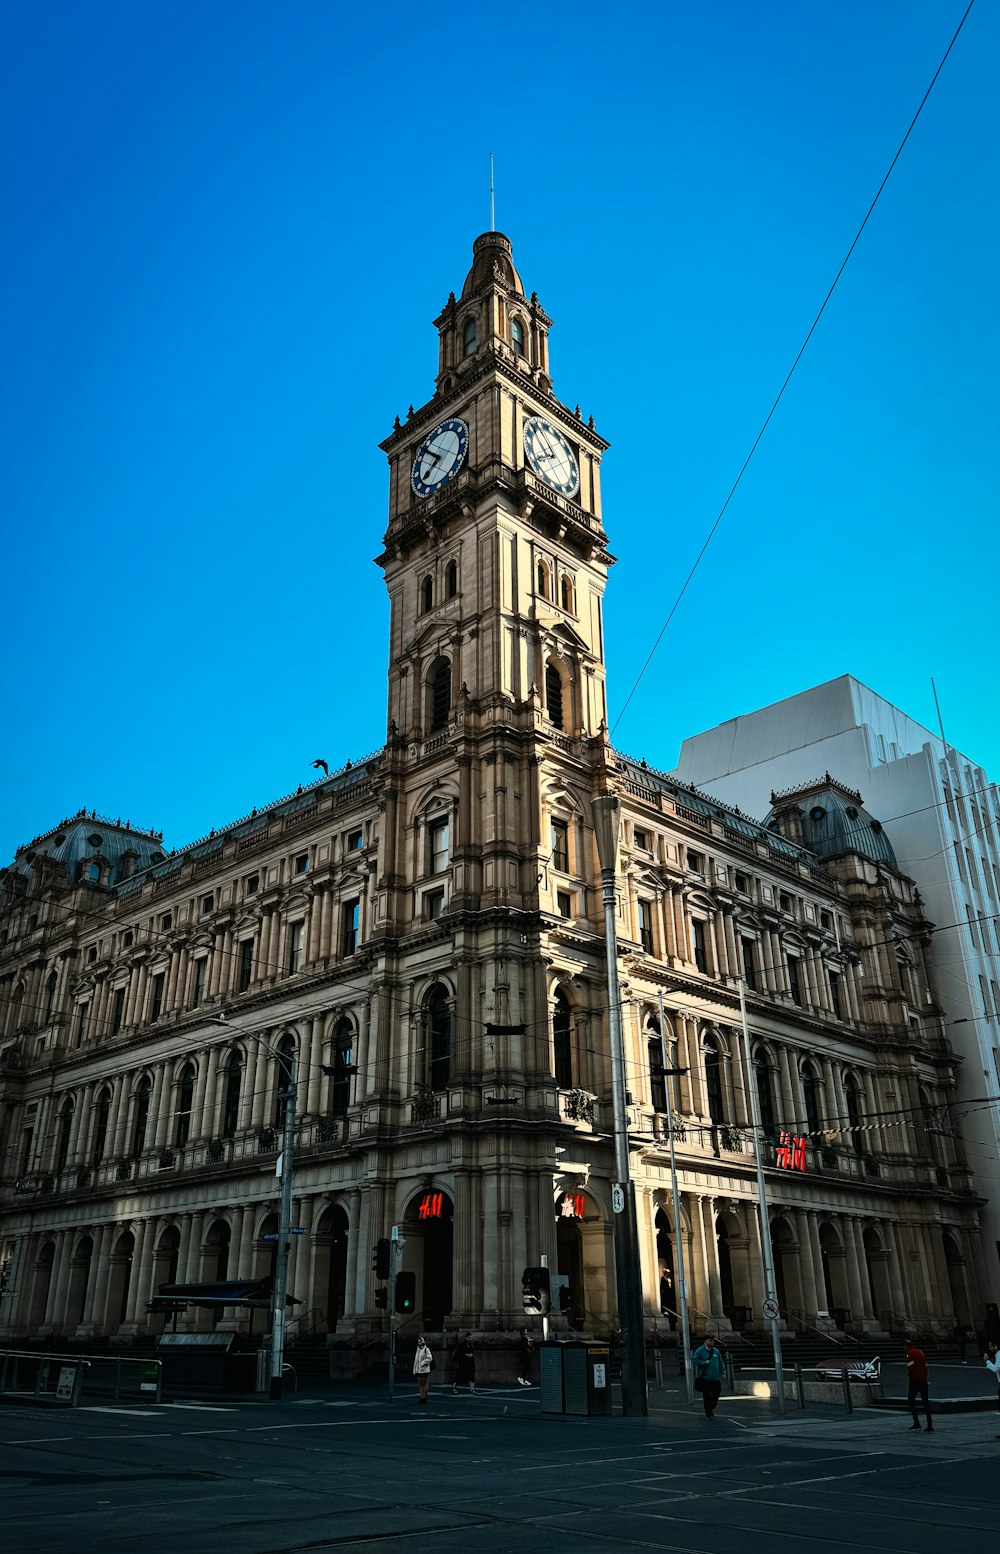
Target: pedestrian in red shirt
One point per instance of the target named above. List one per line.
(916, 1367)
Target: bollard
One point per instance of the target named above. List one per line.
(730, 1372)
(799, 1388)
(848, 1401)
(658, 1367)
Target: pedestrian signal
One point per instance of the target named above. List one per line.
(381, 1300)
(536, 1297)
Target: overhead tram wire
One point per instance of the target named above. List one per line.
(788, 378)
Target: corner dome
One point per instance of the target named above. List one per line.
(833, 820)
(86, 838)
(492, 260)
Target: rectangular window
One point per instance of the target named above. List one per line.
(749, 964)
(156, 1001)
(700, 944)
(433, 905)
(166, 920)
(437, 846)
(641, 839)
(117, 1010)
(208, 904)
(351, 916)
(825, 920)
(302, 863)
(835, 994)
(696, 862)
(253, 884)
(564, 903)
(560, 845)
(198, 986)
(741, 883)
(245, 964)
(354, 841)
(646, 926)
(82, 1016)
(784, 901)
(296, 934)
(794, 982)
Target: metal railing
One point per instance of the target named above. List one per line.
(66, 1378)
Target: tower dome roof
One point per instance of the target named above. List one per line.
(833, 820)
(492, 259)
(85, 837)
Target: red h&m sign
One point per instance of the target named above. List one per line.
(431, 1205)
(791, 1152)
(573, 1206)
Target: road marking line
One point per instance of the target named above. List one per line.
(130, 1413)
(37, 1440)
(202, 1408)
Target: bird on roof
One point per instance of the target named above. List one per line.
(325, 765)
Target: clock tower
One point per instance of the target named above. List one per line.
(495, 556)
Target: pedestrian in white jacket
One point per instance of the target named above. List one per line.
(422, 1362)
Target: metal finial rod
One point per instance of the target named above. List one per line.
(493, 222)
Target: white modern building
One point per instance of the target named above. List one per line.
(942, 815)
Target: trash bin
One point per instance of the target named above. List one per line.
(550, 1365)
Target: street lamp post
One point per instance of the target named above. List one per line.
(606, 810)
(670, 1072)
(285, 1169)
(767, 1258)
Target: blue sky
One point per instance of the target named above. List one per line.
(229, 228)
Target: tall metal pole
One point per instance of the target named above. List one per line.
(394, 1251)
(606, 811)
(763, 1219)
(678, 1229)
(287, 1170)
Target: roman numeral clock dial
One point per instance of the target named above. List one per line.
(551, 456)
(439, 457)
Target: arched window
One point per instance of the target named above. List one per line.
(566, 593)
(554, 694)
(469, 337)
(66, 1111)
(439, 1023)
(713, 1081)
(517, 336)
(440, 695)
(343, 1068)
(656, 1057)
(811, 1097)
(451, 579)
(51, 983)
(562, 1041)
(282, 1077)
(231, 1094)
(185, 1101)
(765, 1092)
(102, 1114)
(852, 1097)
(140, 1116)
(542, 582)
(426, 595)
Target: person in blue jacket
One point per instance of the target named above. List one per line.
(709, 1371)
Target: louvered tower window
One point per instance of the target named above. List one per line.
(554, 695)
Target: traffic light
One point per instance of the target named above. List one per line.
(536, 1297)
(381, 1258)
(565, 1299)
(381, 1300)
(406, 1293)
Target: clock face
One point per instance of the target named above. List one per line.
(439, 457)
(551, 456)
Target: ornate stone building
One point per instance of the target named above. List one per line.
(424, 931)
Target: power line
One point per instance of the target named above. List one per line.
(812, 328)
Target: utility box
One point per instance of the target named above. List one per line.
(587, 1379)
(575, 1378)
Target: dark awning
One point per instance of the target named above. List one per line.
(224, 1292)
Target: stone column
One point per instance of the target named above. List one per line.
(811, 1301)
(463, 1296)
(755, 1262)
(254, 1054)
(301, 1272)
(262, 1099)
(160, 1106)
(855, 1290)
(354, 1259)
(58, 1279)
(119, 1115)
(241, 1241)
(192, 1270)
(900, 1306)
(707, 1209)
(816, 1250)
(140, 1275)
(177, 958)
(101, 1275)
(183, 1248)
(199, 1111)
(313, 1076)
(867, 1294)
(81, 1119)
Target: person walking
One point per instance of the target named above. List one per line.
(423, 1360)
(525, 1346)
(992, 1362)
(961, 1336)
(709, 1369)
(916, 1369)
(464, 1356)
